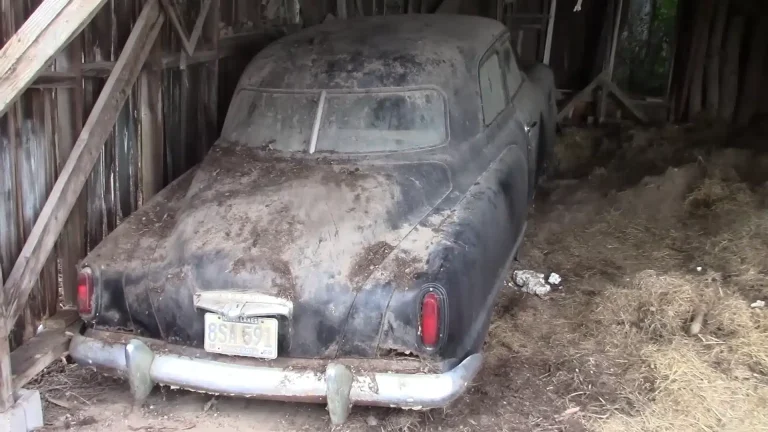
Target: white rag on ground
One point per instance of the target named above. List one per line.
(531, 282)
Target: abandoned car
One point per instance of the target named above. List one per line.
(345, 239)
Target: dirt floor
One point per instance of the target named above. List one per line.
(661, 237)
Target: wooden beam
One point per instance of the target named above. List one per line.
(151, 130)
(731, 69)
(566, 111)
(69, 121)
(48, 29)
(614, 40)
(753, 81)
(229, 46)
(611, 57)
(63, 319)
(37, 353)
(198, 29)
(84, 154)
(609, 86)
(6, 387)
(550, 31)
(188, 41)
(713, 64)
(341, 9)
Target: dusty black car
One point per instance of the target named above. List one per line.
(345, 239)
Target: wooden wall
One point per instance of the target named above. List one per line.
(169, 122)
(721, 61)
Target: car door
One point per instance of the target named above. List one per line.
(494, 210)
(504, 124)
(520, 98)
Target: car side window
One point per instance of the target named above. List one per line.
(511, 70)
(492, 91)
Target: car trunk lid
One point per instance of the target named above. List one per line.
(304, 232)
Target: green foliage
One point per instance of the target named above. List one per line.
(644, 52)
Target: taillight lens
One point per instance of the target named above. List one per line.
(85, 292)
(430, 319)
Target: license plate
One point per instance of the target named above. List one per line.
(256, 337)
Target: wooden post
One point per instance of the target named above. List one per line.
(699, 56)
(6, 384)
(550, 31)
(69, 121)
(341, 9)
(731, 69)
(713, 64)
(51, 26)
(84, 154)
(753, 80)
(611, 57)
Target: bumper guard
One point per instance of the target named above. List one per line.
(338, 386)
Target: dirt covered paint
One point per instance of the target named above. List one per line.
(310, 231)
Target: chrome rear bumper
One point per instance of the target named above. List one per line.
(338, 385)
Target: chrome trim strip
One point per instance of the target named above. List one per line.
(414, 391)
(316, 125)
(246, 305)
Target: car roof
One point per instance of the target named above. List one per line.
(375, 52)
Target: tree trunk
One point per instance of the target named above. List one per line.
(713, 63)
(729, 81)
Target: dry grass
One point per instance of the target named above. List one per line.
(67, 389)
(640, 266)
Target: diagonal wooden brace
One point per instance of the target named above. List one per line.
(188, 41)
(42, 35)
(84, 154)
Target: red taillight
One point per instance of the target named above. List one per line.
(85, 292)
(430, 319)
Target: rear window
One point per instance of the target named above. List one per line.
(351, 122)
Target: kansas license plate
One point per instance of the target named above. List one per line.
(256, 337)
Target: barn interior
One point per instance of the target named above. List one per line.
(655, 218)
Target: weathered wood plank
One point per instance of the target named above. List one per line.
(610, 86)
(84, 154)
(198, 29)
(46, 31)
(611, 57)
(729, 81)
(6, 387)
(152, 143)
(754, 74)
(566, 111)
(37, 353)
(699, 51)
(712, 96)
(63, 319)
(71, 246)
(229, 46)
(550, 31)
(188, 41)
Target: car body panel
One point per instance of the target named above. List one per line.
(348, 242)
